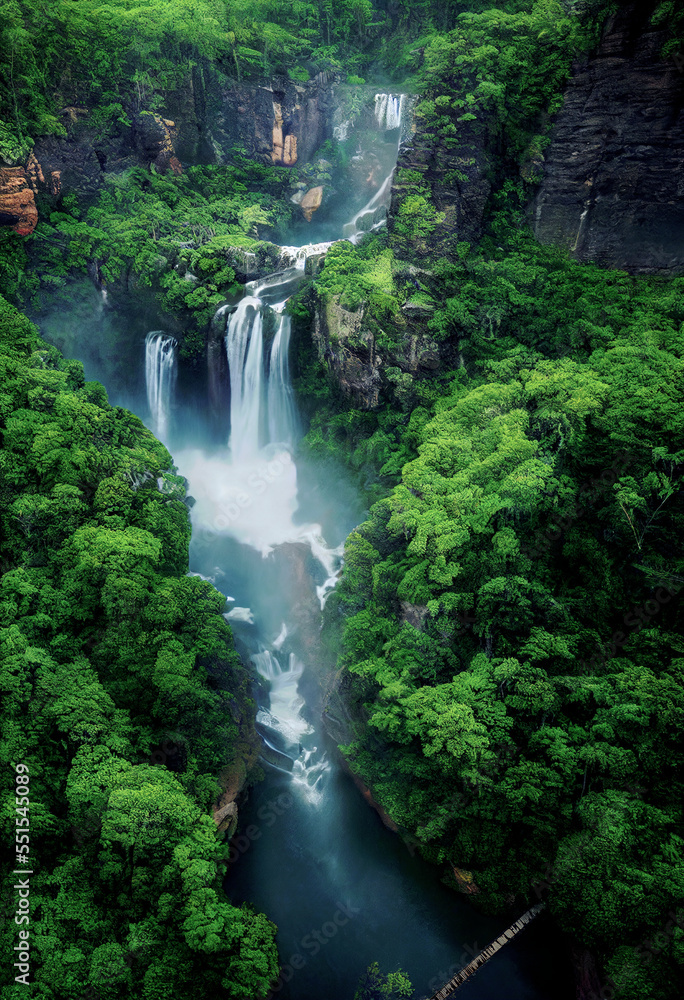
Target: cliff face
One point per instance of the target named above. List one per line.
(202, 122)
(347, 346)
(456, 179)
(613, 187)
(17, 202)
(281, 122)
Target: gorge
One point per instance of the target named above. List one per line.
(341, 476)
(340, 887)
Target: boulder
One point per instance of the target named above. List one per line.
(311, 201)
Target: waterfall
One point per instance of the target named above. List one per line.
(282, 414)
(285, 730)
(341, 131)
(256, 399)
(244, 347)
(297, 257)
(388, 114)
(160, 379)
(372, 215)
(388, 110)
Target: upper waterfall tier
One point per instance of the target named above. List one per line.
(388, 110)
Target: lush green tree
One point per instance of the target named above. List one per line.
(106, 646)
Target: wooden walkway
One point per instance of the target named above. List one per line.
(485, 955)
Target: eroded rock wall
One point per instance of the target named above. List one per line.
(347, 345)
(201, 122)
(457, 179)
(613, 187)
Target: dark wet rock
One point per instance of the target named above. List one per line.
(613, 187)
(457, 179)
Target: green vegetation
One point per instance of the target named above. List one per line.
(183, 238)
(362, 277)
(508, 622)
(375, 986)
(124, 55)
(117, 677)
(508, 615)
(503, 70)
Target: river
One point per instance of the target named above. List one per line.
(268, 530)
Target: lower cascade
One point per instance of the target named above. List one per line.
(244, 347)
(161, 352)
(262, 409)
(342, 889)
(282, 414)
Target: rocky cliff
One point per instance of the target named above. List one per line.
(17, 201)
(345, 341)
(613, 187)
(203, 121)
(456, 178)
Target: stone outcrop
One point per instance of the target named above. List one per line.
(311, 202)
(284, 146)
(281, 122)
(465, 882)
(154, 138)
(203, 121)
(457, 179)
(613, 186)
(226, 819)
(348, 350)
(74, 161)
(17, 201)
(345, 343)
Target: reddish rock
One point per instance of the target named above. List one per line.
(465, 881)
(17, 203)
(311, 202)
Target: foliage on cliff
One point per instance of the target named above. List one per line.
(510, 614)
(119, 689)
(182, 237)
(122, 55)
(502, 69)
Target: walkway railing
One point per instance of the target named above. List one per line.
(488, 952)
